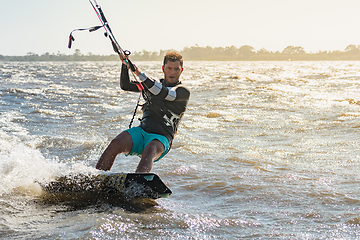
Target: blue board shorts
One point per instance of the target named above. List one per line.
(140, 139)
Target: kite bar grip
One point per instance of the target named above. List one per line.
(132, 67)
(71, 39)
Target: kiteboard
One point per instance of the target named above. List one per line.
(126, 185)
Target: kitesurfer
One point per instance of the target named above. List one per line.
(166, 102)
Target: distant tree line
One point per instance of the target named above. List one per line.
(196, 53)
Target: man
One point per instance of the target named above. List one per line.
(162, 112)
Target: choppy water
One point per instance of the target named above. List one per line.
(265, 150)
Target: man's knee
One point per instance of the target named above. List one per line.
(122, 143)
(155, 147)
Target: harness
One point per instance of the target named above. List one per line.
(157, 106)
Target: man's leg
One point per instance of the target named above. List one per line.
(121, 144)
(151, 152)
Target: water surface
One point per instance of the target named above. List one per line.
(265, 150)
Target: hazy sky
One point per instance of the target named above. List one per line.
(41, 26)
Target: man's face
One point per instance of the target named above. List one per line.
(172, 71)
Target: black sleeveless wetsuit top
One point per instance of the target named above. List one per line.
(165, 106)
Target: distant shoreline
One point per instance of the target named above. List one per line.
(196, 53)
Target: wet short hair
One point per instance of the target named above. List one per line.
(173, 57)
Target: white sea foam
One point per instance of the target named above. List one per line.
(22, 165)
